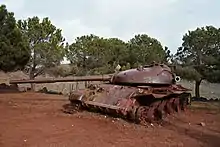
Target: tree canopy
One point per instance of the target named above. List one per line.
(146, 49)
(37, 44)
(200, 54)
(45, 43)
(14, 53)
(90, 52)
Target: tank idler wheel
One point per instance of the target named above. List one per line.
(151, 114)
(76, 106)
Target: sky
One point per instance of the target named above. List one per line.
(165, 20)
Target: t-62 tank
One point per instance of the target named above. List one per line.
(142, 95)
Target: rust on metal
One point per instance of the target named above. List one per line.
(143, 95)
(77, 79)
(152, 74)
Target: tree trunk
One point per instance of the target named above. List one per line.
(32, 70)
(31, 75)
(32, 87)
(197, 92)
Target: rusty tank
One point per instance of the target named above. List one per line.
(142, 95)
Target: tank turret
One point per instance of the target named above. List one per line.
(154, 74)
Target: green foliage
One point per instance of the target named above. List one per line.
(14, 53)
(168, 56)
(45, 43)
(200, 50)
(60, 70)
(145, 49)
(187, 73)
(116, 52)
(85, 51)
(96, 55)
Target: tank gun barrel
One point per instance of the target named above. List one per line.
(76, 79)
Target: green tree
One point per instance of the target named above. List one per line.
(168, 55)
(116, 52)
(14, 53)
(45, 43)
(145, 49)
(98, 55)
(200, 53)
(101, 55)
(82, 51)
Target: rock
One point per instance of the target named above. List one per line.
(202, 124)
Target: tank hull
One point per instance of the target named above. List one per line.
(142, 104)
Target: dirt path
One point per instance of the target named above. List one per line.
(36, 120)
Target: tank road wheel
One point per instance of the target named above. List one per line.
(182, 104)
(155, 112)
(160, 110)
(147, 114)
(176, 104)
(141, 115)
(151, 114)
(132, 113)
(169, 106)
(184, 101)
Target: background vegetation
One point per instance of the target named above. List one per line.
(37, 47)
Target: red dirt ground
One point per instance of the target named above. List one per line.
(36, 120)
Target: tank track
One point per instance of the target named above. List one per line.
(143, 115)
(158, 110)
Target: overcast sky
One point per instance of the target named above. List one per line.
(166, 20)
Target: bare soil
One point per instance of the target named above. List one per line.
(36, 120)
